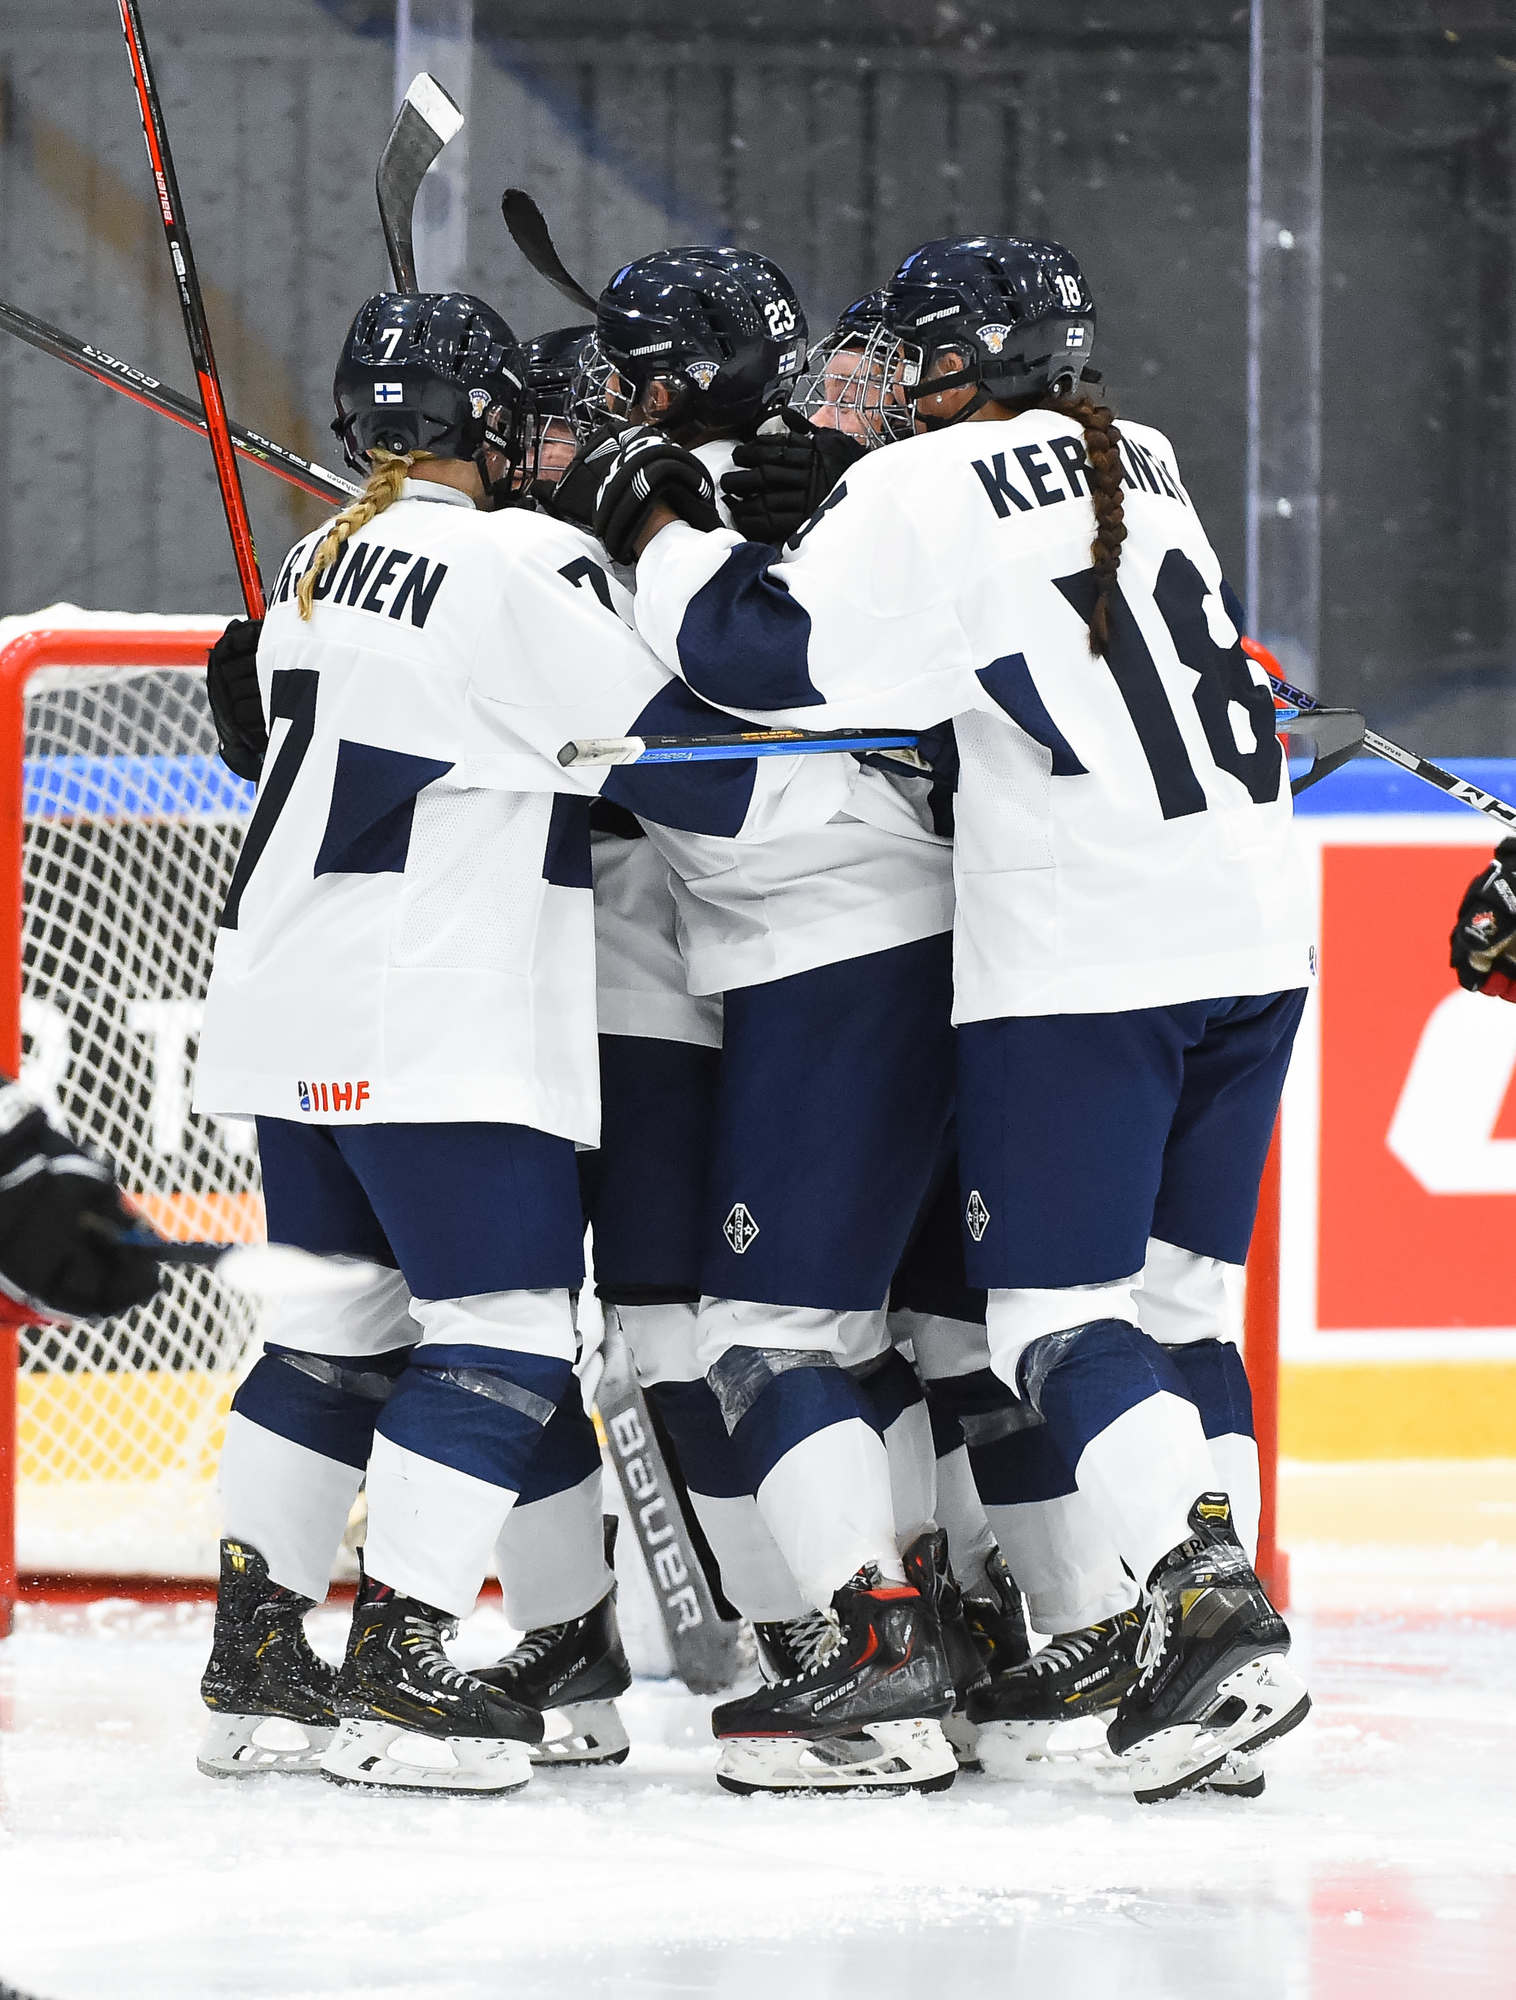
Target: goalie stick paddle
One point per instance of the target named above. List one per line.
(192, 307)
(900, 743)
(426, 120)
(1381, 746)
(529, 232)
(701, 1643)
(165, 402)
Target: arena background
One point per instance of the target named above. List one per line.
(1328, 339)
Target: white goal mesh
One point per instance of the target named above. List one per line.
(131, 827)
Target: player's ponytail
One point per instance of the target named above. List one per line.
(1102, 452)
(380, 490)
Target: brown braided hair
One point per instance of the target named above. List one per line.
(1102, 443)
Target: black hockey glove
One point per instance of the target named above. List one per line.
(231, 681)
(62, 1220)
(780, 477)
(629, 472)
(1484, 937)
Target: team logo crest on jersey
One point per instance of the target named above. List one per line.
(478, 401)
(994, 336)
(977, 1216)
(389, 392)
(739, 1229)
(703, 373)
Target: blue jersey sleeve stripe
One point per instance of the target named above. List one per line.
(745, 639)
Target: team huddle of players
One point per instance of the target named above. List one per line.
(916, 1104)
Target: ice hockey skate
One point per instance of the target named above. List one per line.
(571, 1674)
(996, 1618)
(1212, 1674)
(926, 1566)
(866, 1717)
(410, 1720)
(269, 1695)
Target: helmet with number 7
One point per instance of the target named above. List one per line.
(722, 328)
(1017, 312)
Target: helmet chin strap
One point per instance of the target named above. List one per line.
(937, 385)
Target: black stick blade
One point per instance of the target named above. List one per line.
(425, 122)
(529, 233)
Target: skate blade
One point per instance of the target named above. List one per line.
(390, 1758)
(591, 1732)
(256, 1746)
(1235, 1777)
(910, 1756)
(1261, 1700)
(1076, 1753)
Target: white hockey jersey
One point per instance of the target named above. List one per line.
(868, 869)
(408, 935)
(1123, 825)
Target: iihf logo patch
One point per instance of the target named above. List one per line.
(389, 392)
(304, 1090)
(478, 401)
(703, 373)
(994, 336)
(739, 1229)
(977, 1216)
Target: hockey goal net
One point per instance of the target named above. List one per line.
(118, 830)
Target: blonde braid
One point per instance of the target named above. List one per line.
(380, 490)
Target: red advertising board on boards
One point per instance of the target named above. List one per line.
(1417, 1190)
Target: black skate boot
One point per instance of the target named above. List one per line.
(411, 1721)
(576, 1668)
(1075, 1674)
(269, 1695)
(997, 1619)
(1212, 1678)
(789, 1646)
(926, 1566)
(864, 1718)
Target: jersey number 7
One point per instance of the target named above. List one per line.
(292, 694)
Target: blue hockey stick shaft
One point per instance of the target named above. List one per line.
(749, 743)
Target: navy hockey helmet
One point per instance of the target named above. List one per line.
(723, 328)
(553, 362)
(1018, 311)
(432, 371)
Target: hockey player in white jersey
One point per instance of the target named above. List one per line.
(1131, 944)
(831, 950)
(403, 996)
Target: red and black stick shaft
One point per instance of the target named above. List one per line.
(192, 306)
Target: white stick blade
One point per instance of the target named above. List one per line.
(430, 101)
(279, 1271)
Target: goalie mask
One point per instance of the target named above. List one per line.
(723, 329)
(1015, 315)
(434, 371)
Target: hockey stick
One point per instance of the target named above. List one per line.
(165, 402)
(426, 120)
(701, 1643)
(529, 232)
(749, 743)
(1381, 746)
(192, 306)
(262, 1270)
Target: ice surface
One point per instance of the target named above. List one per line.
(1381, 1862)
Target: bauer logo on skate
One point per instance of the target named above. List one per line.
(655, 1524)
(346, 1096)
